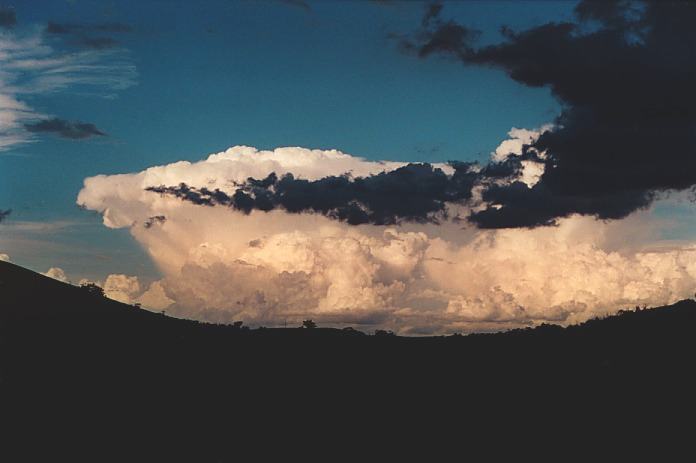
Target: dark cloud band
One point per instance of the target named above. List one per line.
(65, 129)
(413, 193)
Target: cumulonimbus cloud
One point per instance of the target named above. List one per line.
(270, 267)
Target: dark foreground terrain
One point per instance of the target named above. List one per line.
(82, 376)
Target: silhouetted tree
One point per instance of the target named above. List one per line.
(349, 330)
(384, 333)
(309, 324)
(93, 288)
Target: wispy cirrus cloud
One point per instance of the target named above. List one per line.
(32, 64)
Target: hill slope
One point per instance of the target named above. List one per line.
(66, 352)
(39, 315)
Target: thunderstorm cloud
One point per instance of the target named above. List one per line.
(273, 265)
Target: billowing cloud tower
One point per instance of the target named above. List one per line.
(430, 271)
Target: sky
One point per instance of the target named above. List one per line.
(484, 93)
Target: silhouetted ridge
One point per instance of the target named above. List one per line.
(68, 355)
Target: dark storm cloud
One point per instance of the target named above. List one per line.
(66, 129)
(517, 205)
(8, 18)
(413, 193)
(624, 74)
(441, 36)
(509, 168)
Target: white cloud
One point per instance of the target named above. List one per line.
(514, 144)
(268, 268)
(122, 288)
(531, 170)
(57, 273)
(155, 297)
(127, 289)
(4, 257)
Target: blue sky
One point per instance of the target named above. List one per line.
(220, 73)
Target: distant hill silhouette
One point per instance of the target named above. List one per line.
(68, 352)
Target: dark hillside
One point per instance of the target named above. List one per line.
(65, 352)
